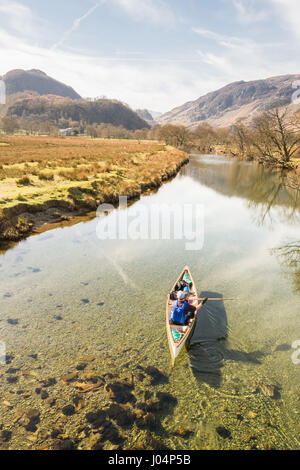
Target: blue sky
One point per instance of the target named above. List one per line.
(154, 54)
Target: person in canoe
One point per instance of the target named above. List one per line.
(182, 286)
(183, 312)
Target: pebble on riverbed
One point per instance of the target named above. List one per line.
(68, 410)
(5, 436)
(121, 414)
(13, 321)
(223, 432)
(184, 432)
(272, 391)
(120, 392)
(283, 347)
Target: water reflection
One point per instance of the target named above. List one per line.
(263, 188)
(289, 257)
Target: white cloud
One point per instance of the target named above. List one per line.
(222, 39)
(289, 10)
(242, 58)
(155, 11)
(17, 17)
(248, 12)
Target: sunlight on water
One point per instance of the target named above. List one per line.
(70, 300)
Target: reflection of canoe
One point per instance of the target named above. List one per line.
(178, 335)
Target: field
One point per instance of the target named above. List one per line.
(43, 179)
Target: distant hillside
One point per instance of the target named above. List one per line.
(239, 100)
(55, 109)
(17, 81)
(146, 115)
(155, 114)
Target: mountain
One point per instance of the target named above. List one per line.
(57, 109)
(18, 81)
(239, 100)
(146, 115)
(155, 114)
(149, 116)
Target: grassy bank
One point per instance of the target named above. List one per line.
(45, 180)
(232, 150)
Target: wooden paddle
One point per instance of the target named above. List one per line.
(218, 298)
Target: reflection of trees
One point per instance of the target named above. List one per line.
(264, 188)
(289, 257)
(276, 191)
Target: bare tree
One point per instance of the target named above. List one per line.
(204, 137)
(91, 131)
(242, 138)
(178, 136)
(276, 136)
(10, 125)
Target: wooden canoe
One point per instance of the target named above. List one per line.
(178, 335)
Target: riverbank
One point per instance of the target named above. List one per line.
(232, 151)
(49, 180)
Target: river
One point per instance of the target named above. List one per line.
(70, 300)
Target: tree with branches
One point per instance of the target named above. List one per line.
(276, 136)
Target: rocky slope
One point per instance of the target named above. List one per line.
(145, 114)
(239, 100)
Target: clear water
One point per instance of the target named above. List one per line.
(75, 296)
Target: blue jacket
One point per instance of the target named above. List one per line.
(178, 315)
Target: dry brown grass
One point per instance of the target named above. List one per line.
(50, 167)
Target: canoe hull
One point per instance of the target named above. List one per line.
(177, 335)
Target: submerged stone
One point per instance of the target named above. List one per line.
(13, 321)
(49, 382)
(5, 435)
(157, 376)
(223, 432)
(272, 391)
(123, 416)
(33, 356)
(184, 432)
(44, 394)
(110, 433)
(33, 414)
(68, 410)
(12, 380)
(67, 444)
(120, 392)
(283, 347)
(96, 418)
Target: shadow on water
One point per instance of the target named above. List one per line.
(208, 346)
